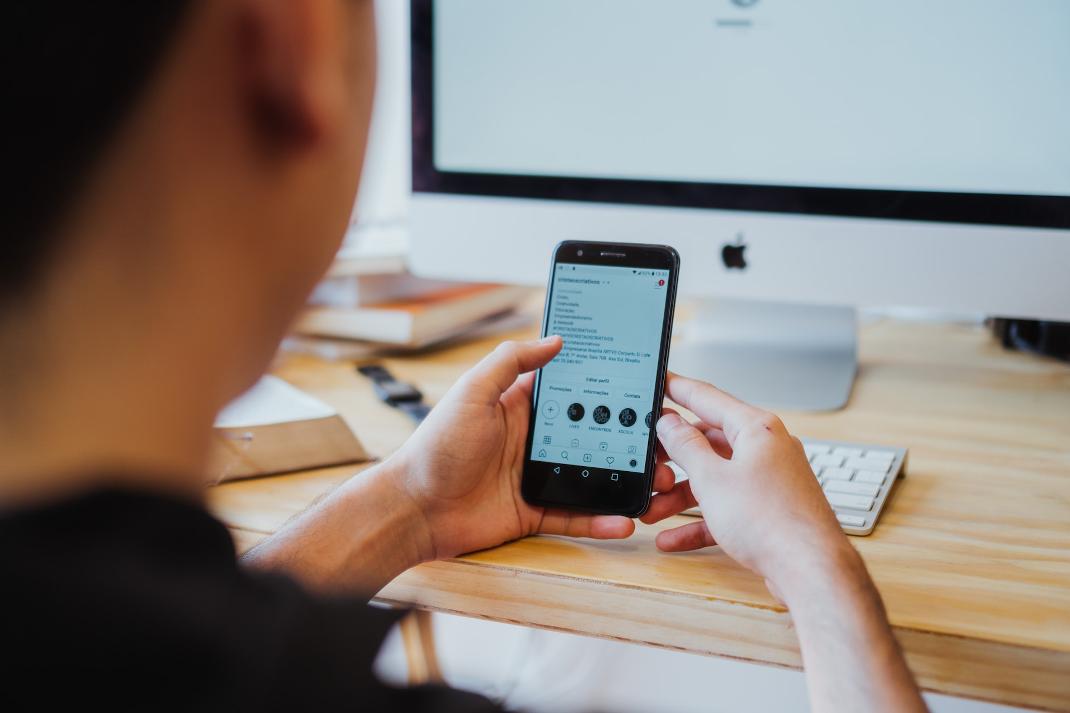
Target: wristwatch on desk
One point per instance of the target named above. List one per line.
(402, 396)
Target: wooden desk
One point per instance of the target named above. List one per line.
(972, 554)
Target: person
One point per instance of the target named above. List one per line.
(183, 171)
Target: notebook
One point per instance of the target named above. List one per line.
(274, 428)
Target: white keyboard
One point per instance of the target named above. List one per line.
(857, 480)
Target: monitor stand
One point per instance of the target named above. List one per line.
(774, 355)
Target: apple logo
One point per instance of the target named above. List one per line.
(732, 254)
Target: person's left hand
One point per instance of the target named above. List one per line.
(462, 467)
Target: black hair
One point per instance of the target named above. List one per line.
(71, 72)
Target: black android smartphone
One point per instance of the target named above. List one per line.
(591, 440)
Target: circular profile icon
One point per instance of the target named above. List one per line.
(575, 412)
(601, 414)
(627, 418)
(649, 420)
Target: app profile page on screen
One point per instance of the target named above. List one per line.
(595, 402)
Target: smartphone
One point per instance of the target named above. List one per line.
(591, 438)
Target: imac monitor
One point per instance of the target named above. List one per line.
(804, 158)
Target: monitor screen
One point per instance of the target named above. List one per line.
(966, 98)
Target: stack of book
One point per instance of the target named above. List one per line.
(369, 303)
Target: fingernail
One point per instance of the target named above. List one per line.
(549, 339)
(668, 421)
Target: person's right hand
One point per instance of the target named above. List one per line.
(763, 505)
(760, 500)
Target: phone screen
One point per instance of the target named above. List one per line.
(594, 407)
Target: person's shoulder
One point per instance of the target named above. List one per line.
(139, 600)
(115, 514)
(149, 587)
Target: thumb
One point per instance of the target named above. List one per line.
(492, 376)
(686, 445)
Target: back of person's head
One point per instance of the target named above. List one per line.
(184, 163)
(71, 73)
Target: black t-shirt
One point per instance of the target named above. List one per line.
(127, 601)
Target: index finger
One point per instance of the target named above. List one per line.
(574, 524)
(712, 405)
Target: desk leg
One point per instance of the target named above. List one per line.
(418, 639)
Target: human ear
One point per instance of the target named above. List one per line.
(292, 82)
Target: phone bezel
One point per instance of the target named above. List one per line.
(630, 494)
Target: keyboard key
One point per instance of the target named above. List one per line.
(815, 449)
(852, 488)
(870, 476)
(883, 455)
(834, 461)
(851, 502)
(837, 473)
(817, 469)
(847, 452)
(851, 520)
(868, 464)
